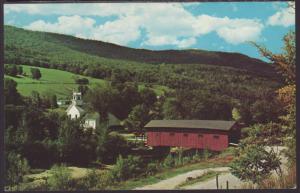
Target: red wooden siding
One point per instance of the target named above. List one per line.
(213, 140)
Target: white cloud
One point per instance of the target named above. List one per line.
(234, 31)
(284, 17)
(163, 23)
(237, 31)
(121, 31)
(73, 25)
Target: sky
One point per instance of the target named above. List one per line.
(215, 26)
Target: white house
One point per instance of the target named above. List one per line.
(75, 111)
(92, 119)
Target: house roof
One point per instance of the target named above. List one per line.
(191, 124)
(77, 107)
(112, 120)
(92, 115)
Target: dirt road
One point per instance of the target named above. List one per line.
(171, 183)
(233, 183)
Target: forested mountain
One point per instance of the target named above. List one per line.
(228, 78)
(50, 47)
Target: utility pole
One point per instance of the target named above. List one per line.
(217, 180)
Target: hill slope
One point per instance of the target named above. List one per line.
(59, 82)
(43, 46)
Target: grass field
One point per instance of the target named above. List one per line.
(59, 82)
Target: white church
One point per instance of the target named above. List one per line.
(91, 119)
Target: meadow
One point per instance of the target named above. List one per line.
(59, 82)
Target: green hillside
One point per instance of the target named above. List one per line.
(234, 75)
(58, 82)
(49, 48)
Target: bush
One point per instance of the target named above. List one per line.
(196, 157)
(127, 168)
(169, 162)
(254, 163)
(93, 181)
(116, 142)
(60, 178)
(36, 171)
(82, 81)
(36, 73)
(152, 168)
(206, 154)
(11, 69)
(186, 160)
(16, 168)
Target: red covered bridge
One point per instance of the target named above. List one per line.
(211, 134)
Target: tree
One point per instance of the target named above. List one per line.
(289, 124)
(54, 101)
(255, 163)
(286, 61)
(138, 118)
(172, 109)
(264, 111)
(127, 168)
(100, 99)
(36, 100)
(81, 81)
(35, 73)
(125, 98)
(263, 134)
(236, 114)
(11, 69)
(20, 70)
(83, 89)
(286, 64)
(118, 143)
(148, 97)
(68, 140)
(11, 95)
(16, 168)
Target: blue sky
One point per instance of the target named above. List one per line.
(209, 26)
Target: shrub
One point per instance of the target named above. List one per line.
(127, 168)
(60, 178)
(196, 157)
(88, 182)
(168, 162)
(16, 168)
(116, 142)
(36, 73)
(82, 81)
(93, 181)
(11, 69)
(179, 158)
(36, 171)
(255, 164)
(152, 168)
(206, 154)
(186, 160)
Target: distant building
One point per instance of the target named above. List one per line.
(91, 119)
(75, 110)
(61, 102)
(200, 134)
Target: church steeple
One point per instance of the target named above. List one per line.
(77, 98)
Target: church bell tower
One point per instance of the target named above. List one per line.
(77, 98)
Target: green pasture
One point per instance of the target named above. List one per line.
(60, 82)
